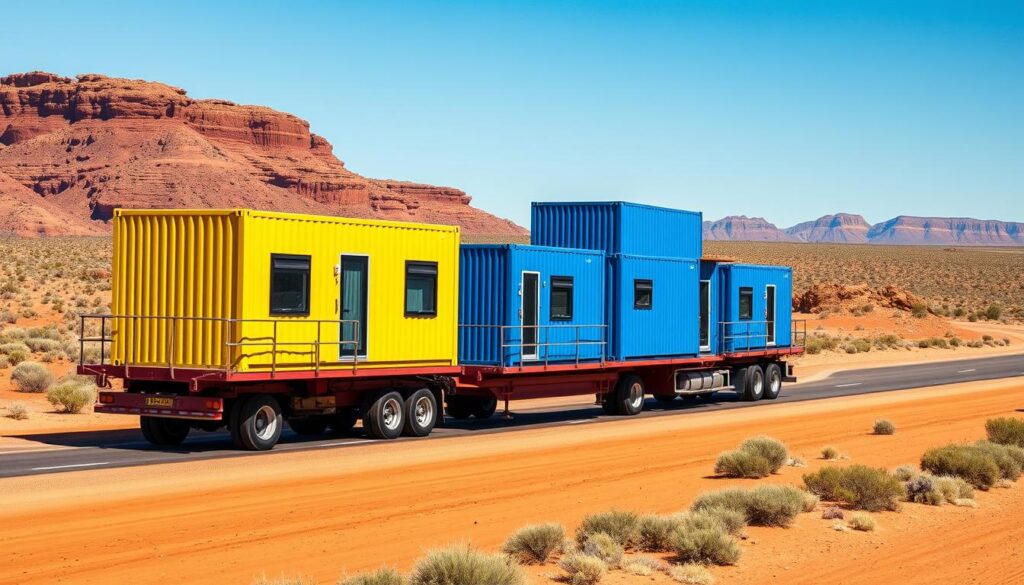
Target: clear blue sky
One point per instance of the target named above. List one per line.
(784, 109)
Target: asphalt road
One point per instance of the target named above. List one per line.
(106, 449)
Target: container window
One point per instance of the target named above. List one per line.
(421, 289)
(746, 303)
(289, 284)
(643, 294)
(561, 298)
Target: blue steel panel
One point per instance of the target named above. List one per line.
(753, 335)
(483, 276)
(618, 227)
(669, 327)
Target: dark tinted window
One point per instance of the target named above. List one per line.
(643, 294)
(421, 289)
(561, 298)
(746, 303)
(289, 285)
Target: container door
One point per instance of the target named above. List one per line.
(705, 315)
(354, 298)
(769, 314)
(529, 314)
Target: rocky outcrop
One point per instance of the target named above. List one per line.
(833, 296)
(88, 145)
(741, 227)
(845, 228)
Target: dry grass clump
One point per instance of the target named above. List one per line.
(282, 580)
(17, 411)
(462, 565)
(925, 488)
(691, 574)
(832, 513)
(982, 464)
(1005, 431)
(755, 457)
(382, 576)
(829, 453)
(653, 532)
(535, 543)
(708, 546)
(621, 526)
(642, 566)
(582, 569)
(767, 505)
(604, 547)
(861, 521)
(883, 427)
(72, 394)
(31, 377)
(860, 486)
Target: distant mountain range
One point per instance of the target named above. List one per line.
(848, 228)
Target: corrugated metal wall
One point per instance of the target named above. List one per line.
(618, 228)
(484, 295)
(758, 278)
(173, 264)
(669, 327)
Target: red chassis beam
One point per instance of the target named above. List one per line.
(207, 377)
(168, 406)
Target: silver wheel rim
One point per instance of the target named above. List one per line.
(776, 383)
(392, 413)
(423, 411)
(636, 395)
(758, 384)
(265, 422)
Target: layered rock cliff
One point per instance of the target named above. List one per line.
(741, 227)
(841, 228)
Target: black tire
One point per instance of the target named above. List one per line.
(772, 381)
(420, 413)
(483, 407)
(256, 423)
(164, 432)
(754, 384)
(458, 407)
(608, 406)
(384, 416)
(629, 395)
(308, 426)
(343, 420)
(665, 398)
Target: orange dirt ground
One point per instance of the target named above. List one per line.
(320, 513)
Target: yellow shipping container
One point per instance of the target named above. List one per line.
(252, 291)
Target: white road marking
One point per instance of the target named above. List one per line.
(848, 385)
(581, 421)
(966, 371)
(341, 443)
(52, 467)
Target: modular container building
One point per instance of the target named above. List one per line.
(711, 299)
(252, 291)
(756, 307)
(529, 305)
(653, 308)
(618, 228)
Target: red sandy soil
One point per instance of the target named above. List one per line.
(323, 512)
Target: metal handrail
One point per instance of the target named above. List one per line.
(545, 343)
(227, 336)
(729, 336)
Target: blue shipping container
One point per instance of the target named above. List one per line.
(618, 227)
(654, 307)
(524, 305)
(758, 307)
(711, 299)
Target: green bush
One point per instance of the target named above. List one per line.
(768, 505)
(919, 310)
(829, 453)
(382, 576)
(621, 526)
(582, 569)
(691, 574)
(653, 532)
(705, 546)
(975, 466)
(773, 450)
(1009, 458)
(13, 346)
(861, 521)
(461, 565)
(883, 427)
(72, 395)
(604, 547)
(732, 521)
(31, 377)
(993, 312)
(534, 544)
(1005, 431)
(860, 486)
(742, 464)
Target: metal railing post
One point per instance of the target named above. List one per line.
(81, 340)
(170, 346)
(316, 352)
(273, 351)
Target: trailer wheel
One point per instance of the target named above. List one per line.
(420, 413)
(629, 395)
(258, 423)
(665, 398)
(773, 381)
(458, 407)
(384, 417)
(754, 382)
(343, 421)
(234, 412)
(166, 432)
(308, 425)
(483, 407)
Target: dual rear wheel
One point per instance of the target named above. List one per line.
(758, 381)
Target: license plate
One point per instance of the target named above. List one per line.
(160, 401)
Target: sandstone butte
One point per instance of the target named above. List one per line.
(73, 150)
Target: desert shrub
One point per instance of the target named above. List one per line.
(773, 450)
(732, 521)
(382, 576)
(282, 580)
(1009, 458)
(832, 513)
(861, 521)
(621, 526)
(72, 395)
(14, 346)
(1005, 431)
(829, 452)
(534, 544)
(642, 566)
(993, 312)
(975, 466)
(17, 411)
(922, 490)
(742, 464)
(860, 486)
(31, 377)
(952, 488)
(811, 501)
(691, 574)
(5, 362)
(604, 547)
(42, 344)
(919, 309)
(905, 472)
(768, 505)
(883, 427)
(461, 565)
(582, 569)
(653, 532)
(862, 345)
(705, 546)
